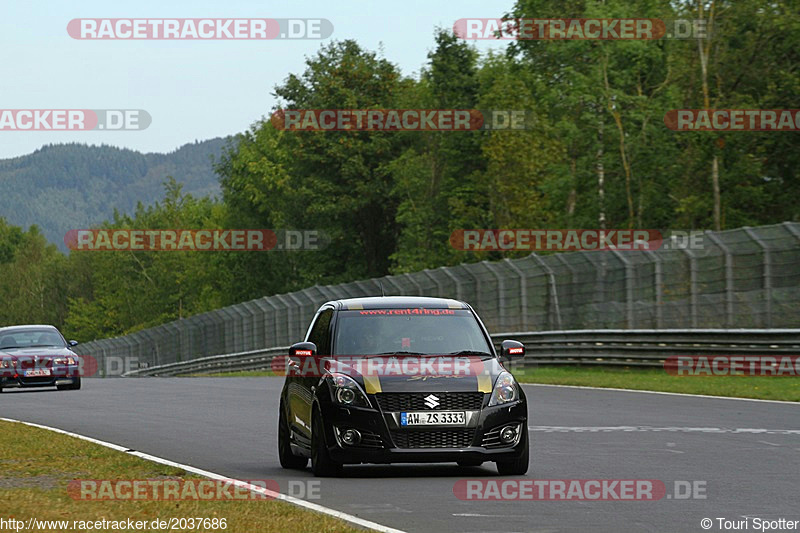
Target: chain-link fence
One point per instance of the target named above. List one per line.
(744, 278)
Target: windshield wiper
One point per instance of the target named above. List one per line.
(401, 353)
(10, 347)
(469, 352)
(44, 345)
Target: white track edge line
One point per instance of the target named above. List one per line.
(663, 392)
(211, 475)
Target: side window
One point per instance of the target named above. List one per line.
(320, 333)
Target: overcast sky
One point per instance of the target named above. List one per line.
(194, 90)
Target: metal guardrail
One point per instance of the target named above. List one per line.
(233, 362)
(606, 347)
(632, 347)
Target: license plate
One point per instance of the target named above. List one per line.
(433, 418)
(37, 373)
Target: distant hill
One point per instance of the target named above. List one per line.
(70, 186)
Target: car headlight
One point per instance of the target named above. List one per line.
(64, 360)
(505, 390)
(345, 390)
(6, 363)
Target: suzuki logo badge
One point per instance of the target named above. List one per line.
(431, 401)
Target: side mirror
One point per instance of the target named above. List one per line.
(511, 348)
(303, 349)
(72, 343)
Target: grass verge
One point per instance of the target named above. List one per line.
(36, 465)
(758, 387)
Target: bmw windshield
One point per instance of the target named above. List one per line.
(30, 338)
(416, 331)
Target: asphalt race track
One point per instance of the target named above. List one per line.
(746, 452)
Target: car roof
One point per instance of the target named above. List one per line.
(28, 326)
(394, 302)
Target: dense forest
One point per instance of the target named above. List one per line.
(70, 186)
(600, 155)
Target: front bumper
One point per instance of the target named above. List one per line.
(59, 376)
(383, 441)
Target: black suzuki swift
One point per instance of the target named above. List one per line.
(400, 380)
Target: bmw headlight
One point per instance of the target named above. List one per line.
(64, 361)
(505, 390)
(345, 390)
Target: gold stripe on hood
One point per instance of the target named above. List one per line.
(484, 383)
(372, 384)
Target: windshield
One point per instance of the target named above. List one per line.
(409, 330)
(31, 338)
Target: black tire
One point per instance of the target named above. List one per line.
(285, 455)
(73, 386)
(321, 463)
(518, 466)
(469, 463)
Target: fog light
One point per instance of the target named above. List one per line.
(508, 434)
(351, 437)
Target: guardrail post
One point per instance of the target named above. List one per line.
(313, 305)
(326, 292)
(398, 288)
(436, 282)
(628, 287)
(728, 278)
(414, 282)
(297, 328)
(767, 273)
(365, 290)
(523, 293)
(477, 304)
(288, 310)
(658, 280)
(501, 294)
(791, 227)
(573, 286)
(553, 296)
(692, 286)
(268, 301)
(456, 280)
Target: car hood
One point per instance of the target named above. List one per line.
(403, 374)
(41, 352)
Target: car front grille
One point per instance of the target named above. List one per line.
(434, 438)
(38, 380)
(415, 401)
